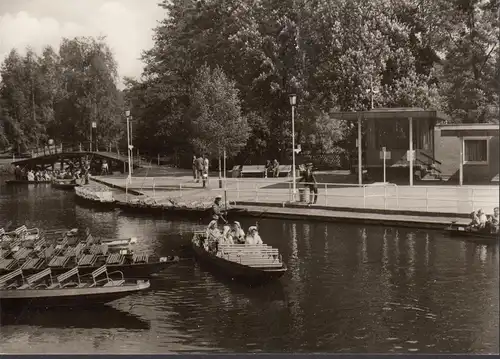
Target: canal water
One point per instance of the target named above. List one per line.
(349, 289)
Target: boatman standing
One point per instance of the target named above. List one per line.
(216, 209)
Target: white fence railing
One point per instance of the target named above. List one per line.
(452, 199)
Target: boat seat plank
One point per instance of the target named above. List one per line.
(38, 276)
(59, 261)
(32, 263)
(87, 260)
(115, 258)
(140, 258)
(22, 253)
(70, 252)
(7, 264)
(113, 283)
(39, 245)
(48, 252)
(9, 276)
(99, 271)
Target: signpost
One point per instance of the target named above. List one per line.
(385, 155)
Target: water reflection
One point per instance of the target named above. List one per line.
(356, 289)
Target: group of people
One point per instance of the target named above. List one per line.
(39, 175)
(481, 221)
(273, 168)
(200, 169)
(230, 234)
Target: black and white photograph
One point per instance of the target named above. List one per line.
(249, 176)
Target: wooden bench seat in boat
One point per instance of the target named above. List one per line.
(33, 263)
(39, 245)
(115, 258)
(59, 261)
(5, 279)
(47, 252)
(99, 249)
(140, 258)
(22, 253)
(87, 260)
(4, 252)
(62, 278)
(7, 264)
(33, 279)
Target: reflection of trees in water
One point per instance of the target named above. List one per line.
(100, 223)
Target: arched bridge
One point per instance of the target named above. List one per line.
(47, 157)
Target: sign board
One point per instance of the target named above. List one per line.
(410, 156)
(387, 155)
(94, 124)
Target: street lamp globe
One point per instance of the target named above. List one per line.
(51, 142)
(293, 99)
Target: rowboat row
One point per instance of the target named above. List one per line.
(472, 234)
(86, 253)
(68, 289)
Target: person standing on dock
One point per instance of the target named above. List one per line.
(199, 168)
(310, 182)
(216, 209)
(195, 170)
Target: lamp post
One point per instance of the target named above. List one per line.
(293, 101)
(129, 146)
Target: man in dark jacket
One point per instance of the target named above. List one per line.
(216, 209)
(310, 182)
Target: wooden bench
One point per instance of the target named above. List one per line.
(140, 258)
(285, 169)
(20, 231)
(37, 277)
(236, 171)
(59, 261)
(7, 264)
(253, 169)
(5, 279)
(48, 252)
(87, 260)
(109, 282)
(115, 258)
(39, 245)
(32, 263)
(22, 254)
(99, 249)
(65, 276)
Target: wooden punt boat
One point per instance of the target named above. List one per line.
(181, 211)
(87, 259)
(20, 233)
(67, 317)
(26, 182)
(472, 234)
(68, 290)
(68, 184)
(258, 263)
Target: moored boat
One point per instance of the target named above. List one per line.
(68, 289)
(66, 184)
(26, 182)
(472, 234)
(253, 263)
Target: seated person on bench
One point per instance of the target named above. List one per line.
(253, 237)
(478, 219)
(493, 221)
(227, 237)
(238, 234)
(213, 236)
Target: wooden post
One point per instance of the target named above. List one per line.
(410, 155)
(360, 156)
(461, 169)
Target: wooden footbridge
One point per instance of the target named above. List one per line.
(49, 157)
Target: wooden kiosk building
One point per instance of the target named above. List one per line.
(407, 134)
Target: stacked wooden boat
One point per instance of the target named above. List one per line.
(65, 184)
(255, 263)
(95, 193)
(69, 249)
(70, 288)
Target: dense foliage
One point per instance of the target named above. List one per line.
(58, 95)
(220, 73)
